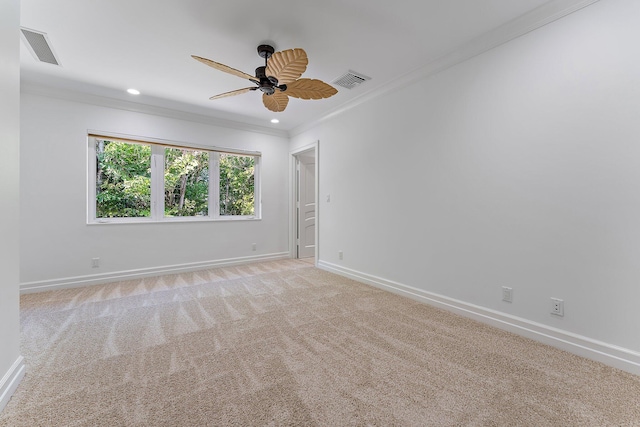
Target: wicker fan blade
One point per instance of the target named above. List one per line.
(234, 92)
(310, 89)
(276, 102)
(287, 65)
(224, 68)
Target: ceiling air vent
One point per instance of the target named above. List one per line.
(39, 45)
(350, 79)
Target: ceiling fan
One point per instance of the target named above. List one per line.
(278, 79)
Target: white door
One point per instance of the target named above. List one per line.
(306, 205)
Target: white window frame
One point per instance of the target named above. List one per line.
(157, 181)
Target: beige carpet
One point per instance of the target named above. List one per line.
(283, 343)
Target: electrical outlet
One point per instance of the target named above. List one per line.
(557, 306)
(95, 262)
(254, 246)
(339, 254)
(507, 294)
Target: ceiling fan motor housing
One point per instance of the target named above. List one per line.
(266, 84)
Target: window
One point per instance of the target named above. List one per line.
(236, 184)
(123, 179)
(131, 181)
(186, 182)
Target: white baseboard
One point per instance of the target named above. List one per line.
(617, 357)
(96, 279)
(10, 381)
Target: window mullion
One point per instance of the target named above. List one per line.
(214, 185)
(257, 199)
(157, 182)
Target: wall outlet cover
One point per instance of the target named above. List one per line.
(557, 306)
(507, 294)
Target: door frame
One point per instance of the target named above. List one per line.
(293, 188)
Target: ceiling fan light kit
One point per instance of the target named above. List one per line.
(278, 79)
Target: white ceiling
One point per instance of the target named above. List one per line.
(106, 47)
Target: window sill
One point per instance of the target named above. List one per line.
(121, 221)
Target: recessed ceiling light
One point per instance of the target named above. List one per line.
(133, 91)
(275, 121)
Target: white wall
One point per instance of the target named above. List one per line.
(57, 244)
(10, 361)
(519, 167)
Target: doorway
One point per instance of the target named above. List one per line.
(305, 204)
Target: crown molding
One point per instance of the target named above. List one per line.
(103, 101)
(537, 18)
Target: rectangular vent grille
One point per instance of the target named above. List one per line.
(350, 79)
(39, 46)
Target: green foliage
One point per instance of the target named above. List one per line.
(123, 181)
(186, 182)
(236, 185)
